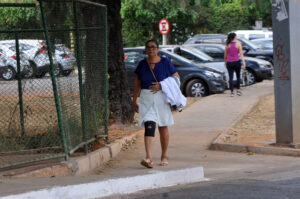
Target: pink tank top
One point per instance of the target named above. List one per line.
(232, 53)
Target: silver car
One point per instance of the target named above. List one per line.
(8, 64)
(65, 59)
(36, 50)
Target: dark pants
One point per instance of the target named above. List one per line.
(231, 67)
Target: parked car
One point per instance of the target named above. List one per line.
(197, 56)
(254, 34)
(65, 59)
(257, 69)
(36, 50)
(266, 44)
(249, 48)
(8, 64)
(206, 38)
(197, 80)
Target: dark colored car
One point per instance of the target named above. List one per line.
(193, 54)
(266, 44)
(197, 80)
(257, 69)
(250, 49)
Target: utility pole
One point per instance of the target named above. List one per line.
(286, 39)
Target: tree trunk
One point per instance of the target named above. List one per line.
(120, 104)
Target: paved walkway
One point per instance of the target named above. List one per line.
(194, 130)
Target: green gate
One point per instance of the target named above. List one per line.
(53, 79)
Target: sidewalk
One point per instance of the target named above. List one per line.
(194, 130)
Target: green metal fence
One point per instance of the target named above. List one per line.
(54, 81)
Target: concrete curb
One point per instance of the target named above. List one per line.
(97, 158)
(219, 146)
(84, 164)
(117, 186)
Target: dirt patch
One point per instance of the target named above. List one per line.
(257, 128)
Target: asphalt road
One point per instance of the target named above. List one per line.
(236, 189)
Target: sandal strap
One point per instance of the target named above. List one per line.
(164, 158)
(147, 163)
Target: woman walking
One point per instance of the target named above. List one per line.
(152, 107)
(232, 61)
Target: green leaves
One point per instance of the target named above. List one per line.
(186, 17)
(228, 17)
(18, 17)
(141, 18)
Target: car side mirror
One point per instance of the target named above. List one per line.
(175, 63)
(246, 49)
(177, 51)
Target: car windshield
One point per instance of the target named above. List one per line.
(22, 47)
(264, 43)
(250, 43)
(61, 47)
(199, 53)
(173, 55)
(268, 44)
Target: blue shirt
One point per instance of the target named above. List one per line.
(163, 69)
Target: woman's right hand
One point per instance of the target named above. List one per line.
(136, 107)
(136, 93)
(244, 65)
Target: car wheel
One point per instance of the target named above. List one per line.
(40, 75)
(66, 72)
(29, 71)
(8, 73)
(196, 88)
(57, 70)
(250, 77)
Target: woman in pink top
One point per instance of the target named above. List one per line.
(232, 60)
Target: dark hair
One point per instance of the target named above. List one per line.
(230, 37)
(152, 40)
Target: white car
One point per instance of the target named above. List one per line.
(254, 34)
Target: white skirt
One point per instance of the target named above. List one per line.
(153, 107)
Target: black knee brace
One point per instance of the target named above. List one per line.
(150, 128)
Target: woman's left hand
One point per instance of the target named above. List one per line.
(155, 87)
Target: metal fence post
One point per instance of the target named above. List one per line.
(60, 122)
(20, 85)
(79, 65)
(106, 72)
